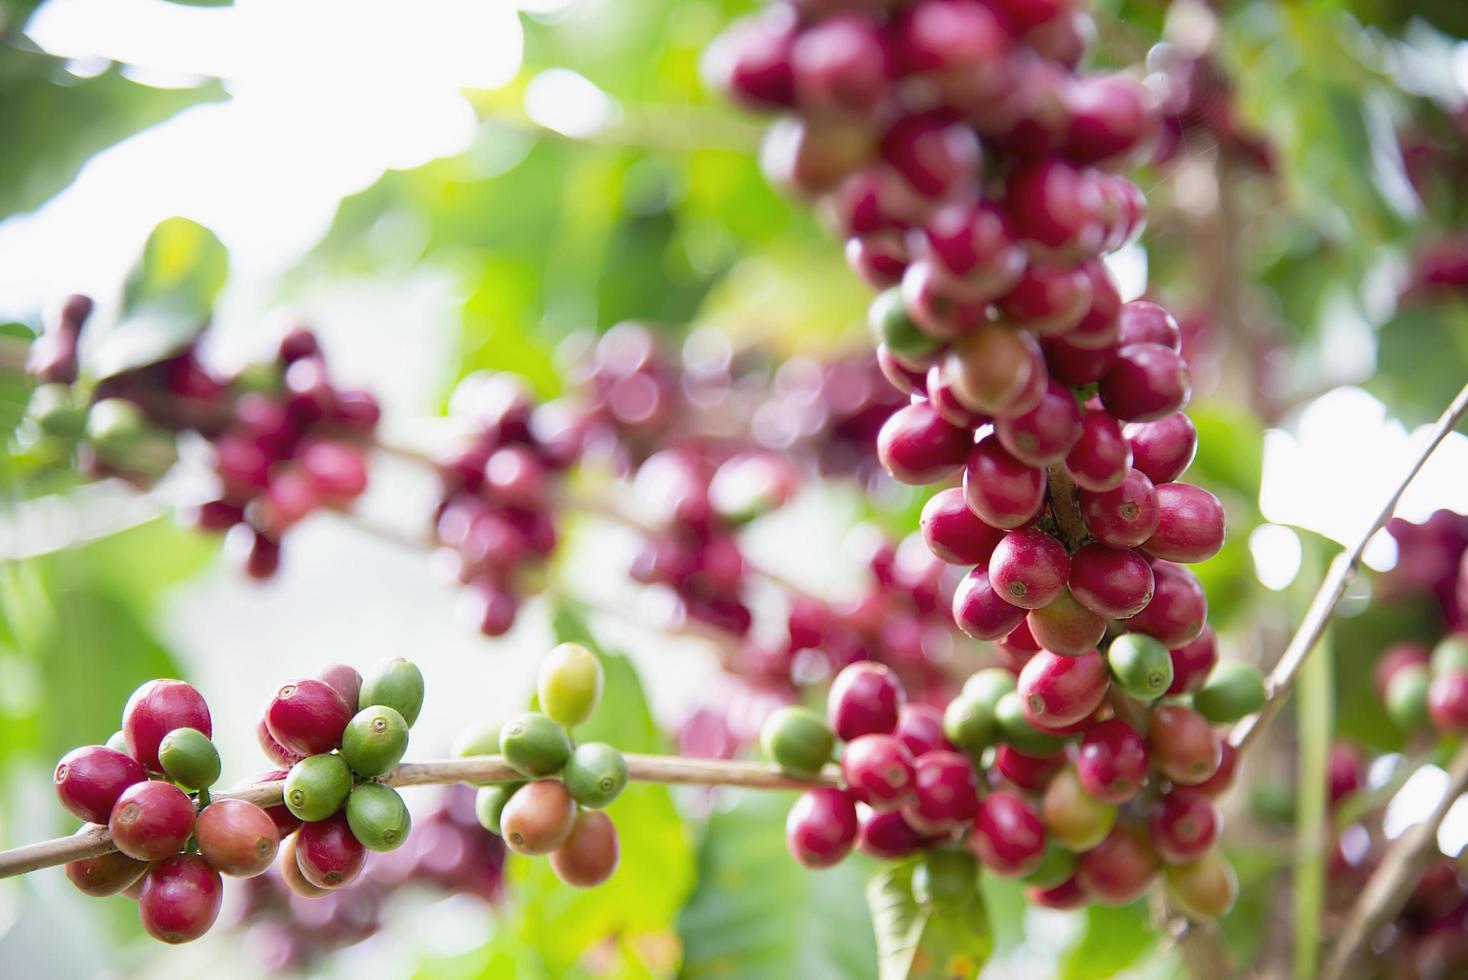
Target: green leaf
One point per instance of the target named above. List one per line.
(941, 940)
(1114, 939)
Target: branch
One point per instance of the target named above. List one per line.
(675, 770)
(1394, 879)
(1066, 508)
(1342, 568)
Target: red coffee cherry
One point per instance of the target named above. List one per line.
(236, 838)
(590, 854)
(274, 751)
(1190, 524)
(1142, 322)
(1066, 895)
(1178, 611)
(90, 779)
(821, 828)
(943, 398)
(1184, 747)
(1097, 329)
(1031, 773)
(980, 611)
(307, 717)
(887, 836)
(151, 820)
(1119, 869)
(865, 699)
(1029, 568)
(1008, 835)
(328, 854)
(946, 790)
(1447, 701)
(1183, 825)
(1049, 300)
(1045, 434)
(157, 708)
(1193, 662)
(1057, 691)
(1163, 449)
(1101, 458)
(1346, 768)
(918, 446)
(955, 533)
(972, 243)
(106, 874)
(344, 680)
(1124, 517)
(1112, 582)
(750, 62)
(920, 729)
(1146, 382)
(180, 898)
(840, 64)
(290, 872)
(1076, 365)
(1112, 761)
(1110, 118)
(878, 771)
(1065, 626)
(538, 818)
(999, 488)
(1223, 778)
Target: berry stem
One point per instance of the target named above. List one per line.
(1066, 508)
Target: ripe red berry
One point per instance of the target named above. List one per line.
(878, 771)
(1125, 516)
(920, 728)
(1066, 895)
(1065, 626)
(934, 152)
(918, 446)
(1110, 118)
(151, 820)
(954, 533)
(1178, 611)
(751, 61)
(1112, 761)
(307, 717)
(1008, 835)
(328, 854)
(1223, 777)
(1190, 524)
(157, 708)
(1193, 662)
(1045, 434)
(1183, 825)
(865, 699)
(591, 852)
(821, 828)
(995, 368)
(840, 64)
(980, 611)
(1163, 449)
(1057, 691)
(1053, 204)
(1031, 773)
(1119, 869)
(1028, 568)
(974, 244)
(90, 779)
(1146, 382)
(236, 838)
(180, 898)
(1184, 747)
(946, 792)
(345, 680)
(1101, 458)
(1112, 582)
(1097, 329)
(1142, 322)
(106, 874)
(999, 488)
(1049, 300)
(887, 836)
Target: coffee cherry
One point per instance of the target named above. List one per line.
(1008, 836)
(1406, 697)
(1447, 701)
(151, 820)
(918, 446)
(994, 368)
(1140, 665)
(328, 853)
(1203, 889)
(1232, 691)
(538, 818)
(374, 741)
(1147, 382)
(1101, 458)
(569, 684)
(274, 751)
(969, 721)
(157, 708)
(1031, 773)
(878, 771)
(1190, 524)
(1045, 434)
(1124, 517)
(891, 325)
(188, 756)
(535, 745)
(1118, 870)
(1049, 300)
(1064, 896)
(90, 779)
(480, 739)
(596, 774)
(1184, 746)
(1178, 611)
(972, 243)
(106, 874)
(307, 717)
(887, 836)
(980, 611)
(1163, 449)
(236, 838)
(1112, 761)
(180, 899)
(395, 683)
(944, 875)
(750, 62)
(289, 867)
(1451, 654)
(343, 679)
(1346, 768)
(1193, 662)
(821, 828)
(1056, 865)
(946, 792)
(1029, 568)
(489, 804)
(864, 699)
(956, 534)
(378, 817)
(1222, 779)
(797, 740)
(590, 854)
(1074, 818)
(1058, 691)
(1000, 489)
(1142, 322)
(920, 728)
(1064, 626)
(317, 786)
(1016, 729)
(1183, 825)
(1112, 582)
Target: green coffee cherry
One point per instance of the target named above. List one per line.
(989, 684)
(490, 802)
(114, 427)
(797, 740)
(378, 817)
(374, 740)
(569, 684)
(477, 740)
(890, 324)
(396, 683)
(1140, 665)
(1450, 656)
(595, 774)
(188, 756)
(944, 875)
(534, 745)
(317, 786)
(1016, 729)
(1406, 697)
(54, 409)
(1057, 865)
(1232, 691)
(969, 721)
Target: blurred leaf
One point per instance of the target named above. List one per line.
(1422, 359)
(1113, 940)
(944, 939)
(1357, 644)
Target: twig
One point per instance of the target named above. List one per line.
(95, 841)
(1334, 586)
(1394, 879)
(1065, 507)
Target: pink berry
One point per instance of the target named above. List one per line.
(878, 771)
(1142, 322)
(946, 792)
(1112, 582)
(1183, 825)
(840, 64)
(1193, 662)
(1000, 489)
(307, 717)
(1124, 517)
(917, 446)
(1057, 691)
(90, 779)
(1008, 835)
(1178, 610)
(1119, 869)
(151, 820)
(1112, 761)
(955, 533)
(1047, 433)
(1110, 118)
(920, 728)
(157, 708)
(1031, 773)
(180, 898)
(1101, 458)
(1147, 382)
(973, 244)
(1447, 701)
(865, 699)
(1190, 524)
(1163, 449)
(980, 611)
(887, 836)
(821, 828)
(1028, 568)
(1049, 300)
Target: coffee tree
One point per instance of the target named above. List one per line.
(880, 487)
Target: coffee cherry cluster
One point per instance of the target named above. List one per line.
(1424, 689)
(557, 811)
(150, 787)
(1037, 776)
(1197, 107)
(339, 733)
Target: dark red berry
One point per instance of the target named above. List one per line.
(1178, 611)
(1029, 568)
(1008, 835)
(286, 823)
(821, 828)
(918, 446)
(106, 874)
(980, 611)
(1142, 322)
(1119, 869)
(1098, 328)
(90, 779)
(345, 680)
(151, 820)
(1101, 458)
(999, 488)
(933, 151)
(840, 64)
(307, 717)
(1223, 778)
(920, 727)
(946, 792)
(1066, 895)
(750, 62)
(1193, 662)
(1163, 449)
(180, 898)
(1057, 691)
(1110, 118)
(1146, 382)
(1112, 582)
(1054, 205)
(887, 836)
(1031, 773)
(865, 699)
(1076, 365)
(1190, 524)
(973, 244)
(955, 533)
(1112, 761)
(1183, 825)
(157, 708)
(1124, 517)
(878, 771)
(1045, 434)
(1184, 746)
(328, 854)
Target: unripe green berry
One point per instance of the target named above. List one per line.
(483, 739)
(396, 683)
(797, 740)
(114, 427)
(569, 684)
(989, 684)
(1140, 665)
(944, 875)
(374, 740)
(891, 325)
(189, 758)
(1232, 691)
(969, 723)
(1057, 864)
(1015, 728)
(317, 786)
(534, 745)
(54, 409)
(1406, 697)
(490, 802)
(378, 817)
(1450, 656)
(595, 774)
